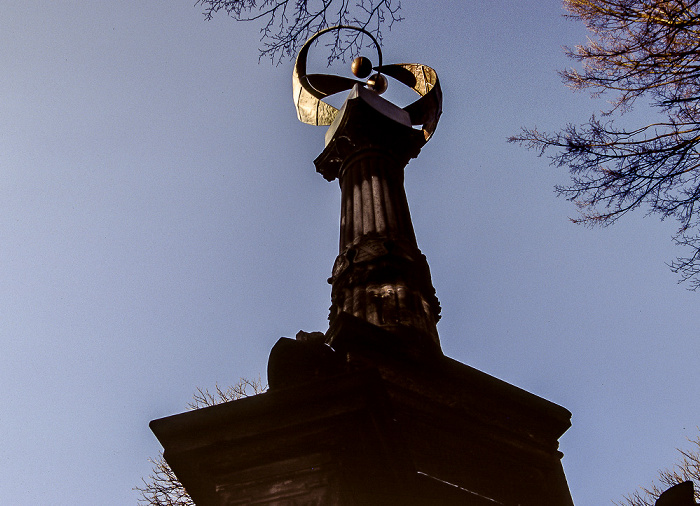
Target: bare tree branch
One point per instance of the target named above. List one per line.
(687, 469)
(639, 48)
(162, 488)
(287, 25)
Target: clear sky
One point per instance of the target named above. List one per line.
(162, 225)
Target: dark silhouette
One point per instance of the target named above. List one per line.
(678, 495)
(371, 412)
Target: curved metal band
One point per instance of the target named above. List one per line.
(310, 89)
(307, 97)
(300, 64)
(423, 80)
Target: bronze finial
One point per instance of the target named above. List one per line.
(310, 89)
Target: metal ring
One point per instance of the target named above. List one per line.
(300, 66)
(346, 27)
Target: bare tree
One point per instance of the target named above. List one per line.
(162, 488)
(639, 49)
(288, 24)
(688, 469)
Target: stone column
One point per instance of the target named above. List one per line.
(380, 275)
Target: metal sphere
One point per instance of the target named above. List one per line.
(377, 83)
(361, 67)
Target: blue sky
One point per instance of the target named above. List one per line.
(162, 225)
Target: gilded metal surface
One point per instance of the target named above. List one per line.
(423, 80)
(309, 90)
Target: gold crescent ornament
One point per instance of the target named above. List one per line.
(309, 90)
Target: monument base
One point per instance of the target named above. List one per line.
(386, 429)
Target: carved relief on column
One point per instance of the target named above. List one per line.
(386, 287)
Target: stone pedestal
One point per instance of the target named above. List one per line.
(383, 429)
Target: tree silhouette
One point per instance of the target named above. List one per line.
(286, 24)
(640, 49)
(688, 469)
(162, 488)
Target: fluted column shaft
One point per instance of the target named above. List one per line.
(373, 200)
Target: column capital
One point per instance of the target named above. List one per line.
(368, 122)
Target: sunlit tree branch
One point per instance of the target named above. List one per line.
(687, 469)
(646, 49)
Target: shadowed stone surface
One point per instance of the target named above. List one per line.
(380, 275)
(382, 429)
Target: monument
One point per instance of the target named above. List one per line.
(371, 412)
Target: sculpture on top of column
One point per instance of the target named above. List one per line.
(380, 276)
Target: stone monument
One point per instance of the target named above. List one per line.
(371, 412)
